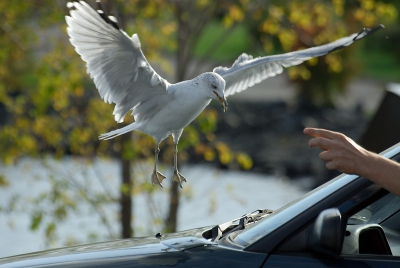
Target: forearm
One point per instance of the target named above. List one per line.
(382, 171)
(343, 154)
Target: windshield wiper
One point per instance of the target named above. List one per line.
(222, 230)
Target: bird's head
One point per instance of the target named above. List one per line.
(215, 86)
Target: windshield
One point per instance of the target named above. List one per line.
(378, 211)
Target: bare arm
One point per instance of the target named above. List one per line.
(343, 154)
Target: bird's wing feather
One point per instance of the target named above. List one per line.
(116, 64)
(246, 71)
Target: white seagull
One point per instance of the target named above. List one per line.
(123, 76)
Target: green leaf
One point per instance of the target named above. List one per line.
(50, 230)
(36, 220)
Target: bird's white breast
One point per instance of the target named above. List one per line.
(187, 102)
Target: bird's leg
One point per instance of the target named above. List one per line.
(178, 177)
(157, 177)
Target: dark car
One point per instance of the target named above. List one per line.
(347, 222)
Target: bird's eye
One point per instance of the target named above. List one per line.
(214, 86)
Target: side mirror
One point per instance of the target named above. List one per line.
(326, 236)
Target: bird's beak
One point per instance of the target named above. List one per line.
(224, 104)
(222, 101)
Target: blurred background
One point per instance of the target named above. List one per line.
(59, 185)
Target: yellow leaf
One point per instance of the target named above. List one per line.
(236, 13)
(210, 136)
(287, 37)
(313, 61)
(244, 161)
(3, 181)
(168, 28)
(339, 7)
(367, 4)
(334, 62)
(225, 158)
(209, 154)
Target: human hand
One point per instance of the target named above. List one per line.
(339, 151)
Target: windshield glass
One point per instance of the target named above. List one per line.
(378, 211)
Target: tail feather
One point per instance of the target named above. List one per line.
(118, 132)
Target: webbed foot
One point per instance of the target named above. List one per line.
(157, 178)
(179, 178)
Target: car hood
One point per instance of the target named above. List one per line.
(175, 242)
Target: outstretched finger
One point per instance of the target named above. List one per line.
(323, 143)
(330, 165)
(319, 132)
(326, 156)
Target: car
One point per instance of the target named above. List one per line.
(346, 222)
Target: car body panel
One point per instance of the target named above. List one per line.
(171, 243)
(187, 251)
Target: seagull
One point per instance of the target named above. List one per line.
(124, 77)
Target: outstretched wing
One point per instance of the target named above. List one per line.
(246, 71)
(116, 63)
